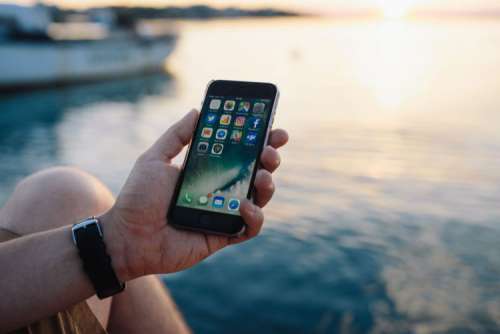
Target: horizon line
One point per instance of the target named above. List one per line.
(492, 12)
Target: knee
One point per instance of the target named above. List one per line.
(66, 187)
(63, 192)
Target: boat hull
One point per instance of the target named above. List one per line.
(27, 64)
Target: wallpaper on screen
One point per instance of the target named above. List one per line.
(215, 172)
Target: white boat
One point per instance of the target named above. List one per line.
(45, 53)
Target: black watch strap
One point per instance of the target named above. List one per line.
(87, 236)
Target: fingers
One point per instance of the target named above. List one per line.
(176, 137)
(253, 217)
(252, 213)
(278, 138)
(264, 187)
(270, 158)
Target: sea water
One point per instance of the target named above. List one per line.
(386, 216)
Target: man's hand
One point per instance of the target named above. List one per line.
(135, 229)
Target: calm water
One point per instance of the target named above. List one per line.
(387, 215)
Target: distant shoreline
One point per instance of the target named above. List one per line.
(196, 12)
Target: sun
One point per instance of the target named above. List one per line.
(395, 9)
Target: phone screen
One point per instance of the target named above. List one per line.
(224, 152)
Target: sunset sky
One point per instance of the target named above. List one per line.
(309, 5)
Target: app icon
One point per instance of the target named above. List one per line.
(217, 148)
(218, 202)
(221, 134)
(229, 105)
(225, 119)
(239, 121)
(236, 136)
(234, 204)
(202, 147)
(211, 118)
(187, 198)
(259, 107)
(215, 104)
(203, 200)
(254, 123)
(251, 138)
(244, 106)
(207, 132)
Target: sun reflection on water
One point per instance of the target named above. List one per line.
(395, 9)
(393, 69)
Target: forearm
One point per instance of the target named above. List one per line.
(145, 307)
(41, 275)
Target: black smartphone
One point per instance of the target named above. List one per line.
(223, 158)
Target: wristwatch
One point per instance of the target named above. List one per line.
(88, 238)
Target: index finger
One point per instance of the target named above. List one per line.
(278, 138)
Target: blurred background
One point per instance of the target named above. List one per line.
(386, 216)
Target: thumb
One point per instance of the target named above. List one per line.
(176, 137)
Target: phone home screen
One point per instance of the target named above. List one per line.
(223, 154)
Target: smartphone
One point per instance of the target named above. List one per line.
(220, 166)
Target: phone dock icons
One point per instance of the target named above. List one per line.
(203, 200)
(234, 204)
(218, 202)
(187, 198)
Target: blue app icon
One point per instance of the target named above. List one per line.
(221, 134)
(251, 138)
(211, 118)
(218, 202)
(254, 123)
(234, 204)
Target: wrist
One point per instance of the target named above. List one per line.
(116, 247)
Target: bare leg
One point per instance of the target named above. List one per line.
(67, 193)
(147, 298)
(71, 195)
